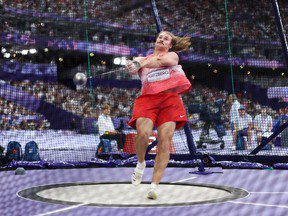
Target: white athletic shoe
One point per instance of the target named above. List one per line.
(137, 176)
(152, 194)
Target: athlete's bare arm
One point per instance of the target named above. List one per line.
(139, 59)
(167, 60)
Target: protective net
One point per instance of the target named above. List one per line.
(235, 64)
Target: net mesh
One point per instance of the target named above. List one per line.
(235, 60)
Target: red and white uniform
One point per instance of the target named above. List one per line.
(156, 80)
(159, 99)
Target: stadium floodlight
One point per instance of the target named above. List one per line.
(7, 55)
(46, 50)
(32, 51)
(3, 50)
(117, 61)
(24, 52)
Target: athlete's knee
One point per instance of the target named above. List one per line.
(165, 137)
(143, 135)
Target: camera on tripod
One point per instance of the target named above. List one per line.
(210, 114)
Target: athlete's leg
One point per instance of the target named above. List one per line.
(144, 128)
(165, 135)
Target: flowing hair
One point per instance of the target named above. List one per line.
(178, 43)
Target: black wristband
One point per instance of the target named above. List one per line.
(137, 65)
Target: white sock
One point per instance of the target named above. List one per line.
(141, 165)
(153, 186)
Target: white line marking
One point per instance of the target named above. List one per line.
(182, 180)
(269, 192)
(259, 204)
(63, 209)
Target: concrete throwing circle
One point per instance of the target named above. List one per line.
(124, 194)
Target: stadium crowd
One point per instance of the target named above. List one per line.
(197, 94)
(16, 117)
(81, 102)
(264, 81)
(88, 105)
(208, 17)
(200, 19)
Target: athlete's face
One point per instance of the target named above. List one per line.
(164, 40)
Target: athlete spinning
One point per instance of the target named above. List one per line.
(159, 104)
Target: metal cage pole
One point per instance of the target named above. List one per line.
(156, 16)
(281, 30)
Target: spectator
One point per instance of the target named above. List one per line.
(4, 124)
(107, 130)
(262, 124)
(24, 124)
(73, 125)
(243, 127)
(234, 107)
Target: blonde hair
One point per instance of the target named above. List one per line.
(178, 43)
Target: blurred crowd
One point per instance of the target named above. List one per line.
(205, 20)
(81, 102)
(201, 94)
(16, 117)
(199, 18)
(264, 81)
(203, 17)
(88, 104)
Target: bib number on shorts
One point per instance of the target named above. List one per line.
(158, 75)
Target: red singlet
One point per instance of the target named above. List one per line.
(155, 80)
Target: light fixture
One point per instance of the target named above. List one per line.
(3, 50)
(117, 61)
(32, 51)
(24, 52)
(7, 55)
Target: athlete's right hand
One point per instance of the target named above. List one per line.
(131, 67)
